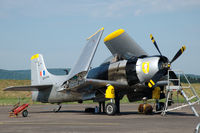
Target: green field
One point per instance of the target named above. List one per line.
(12, 97)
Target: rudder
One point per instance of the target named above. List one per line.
(39, 73)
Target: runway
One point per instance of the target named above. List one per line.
(72, 118)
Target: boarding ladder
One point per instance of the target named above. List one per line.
(190, 99)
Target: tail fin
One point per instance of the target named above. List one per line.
(39, 73)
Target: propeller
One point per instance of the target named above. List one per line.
(178, 54)
(165, 67)
(155, 44)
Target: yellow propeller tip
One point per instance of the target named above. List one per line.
(184, 47)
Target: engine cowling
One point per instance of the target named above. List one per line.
(147, 67)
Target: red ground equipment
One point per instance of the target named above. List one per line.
(19, 109)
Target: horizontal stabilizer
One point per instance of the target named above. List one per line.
(28, 88)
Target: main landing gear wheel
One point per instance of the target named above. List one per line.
(111, 109)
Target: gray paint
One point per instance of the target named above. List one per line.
(85, 59)
(124, 46)
(153, 68)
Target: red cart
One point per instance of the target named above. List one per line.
(20, 109)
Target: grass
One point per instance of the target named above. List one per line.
(188, 92)
(12, 97)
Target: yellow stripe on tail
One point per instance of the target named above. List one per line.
(35, 56)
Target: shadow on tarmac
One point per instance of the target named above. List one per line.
(121, 114)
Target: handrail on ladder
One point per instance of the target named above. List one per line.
(179, 87)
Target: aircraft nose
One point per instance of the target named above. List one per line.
(163, 63)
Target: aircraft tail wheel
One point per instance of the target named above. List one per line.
(111, 109)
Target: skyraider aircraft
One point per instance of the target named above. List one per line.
(130, 71)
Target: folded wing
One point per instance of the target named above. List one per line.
(79, 72)
(85, 59)
(121, 44)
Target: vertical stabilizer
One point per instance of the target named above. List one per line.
(39, 73)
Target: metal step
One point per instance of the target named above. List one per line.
(170, 88)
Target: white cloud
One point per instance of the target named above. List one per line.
(91, 8)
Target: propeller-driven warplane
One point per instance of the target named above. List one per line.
(130, 71)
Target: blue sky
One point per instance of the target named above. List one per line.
(58, 29)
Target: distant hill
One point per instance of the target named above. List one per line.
(26, 74)
(191, 77)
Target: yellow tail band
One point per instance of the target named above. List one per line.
(35, 56)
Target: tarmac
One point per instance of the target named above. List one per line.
(73, 119)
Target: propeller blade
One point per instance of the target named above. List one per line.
(178, 53)
(154, 42)
(152, 82)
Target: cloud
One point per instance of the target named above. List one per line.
(91, 8)
(143, 7)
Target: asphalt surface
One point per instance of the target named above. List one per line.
(72, 118)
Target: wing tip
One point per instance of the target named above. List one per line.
(8, 88)
(114, 35)
(95, 33)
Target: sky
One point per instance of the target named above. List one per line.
(58, 29)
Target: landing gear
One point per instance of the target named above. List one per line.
(117, 103)
(102, 107)
(57, 109)
(111, 109)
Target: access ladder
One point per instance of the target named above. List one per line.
(180, 89)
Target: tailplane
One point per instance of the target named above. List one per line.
(39, 73)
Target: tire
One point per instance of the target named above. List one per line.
(111, 109)
(25, 113)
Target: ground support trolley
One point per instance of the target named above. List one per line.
(19, 109)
